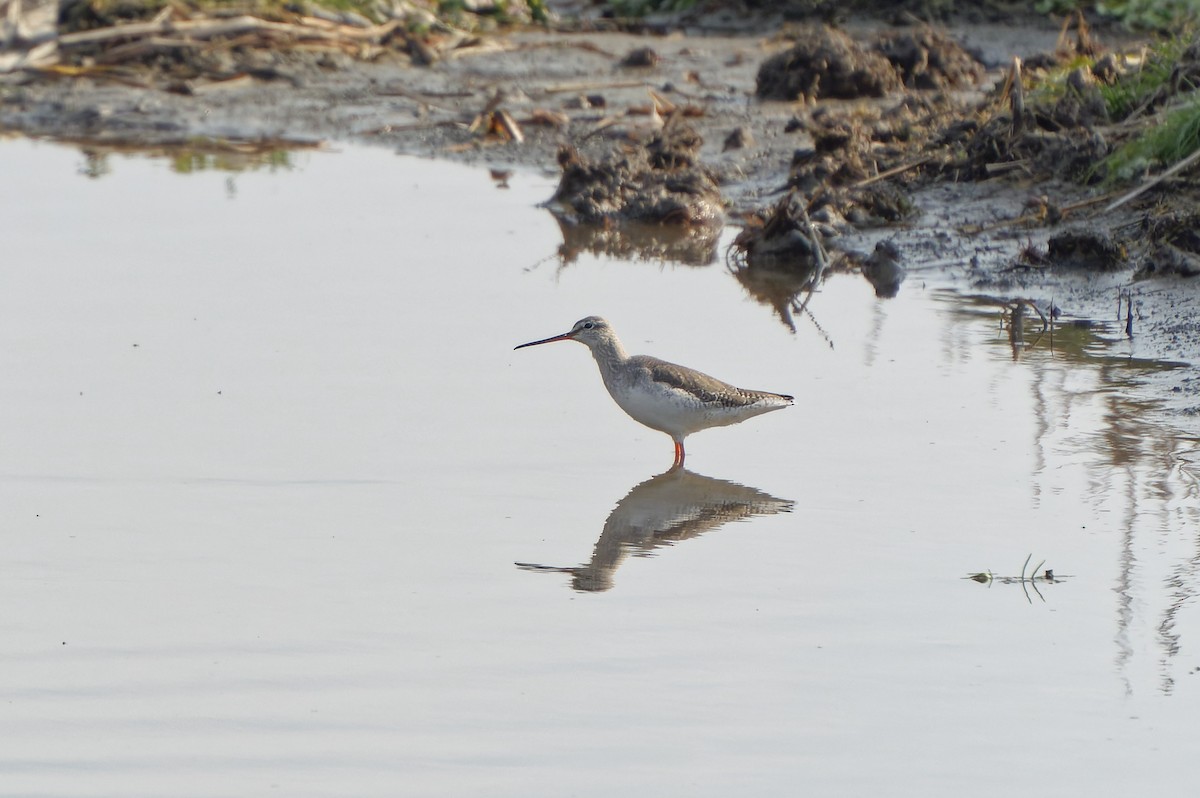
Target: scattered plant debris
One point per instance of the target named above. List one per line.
(1027, 580)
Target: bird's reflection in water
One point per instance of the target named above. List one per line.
(673, 506)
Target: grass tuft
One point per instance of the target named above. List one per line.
(1161, 145)
(1134, 89)
(640, 8)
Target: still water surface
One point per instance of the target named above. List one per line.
(270, 464)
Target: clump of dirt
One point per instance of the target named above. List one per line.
(77, 15)
(841, 153)
(1173, 246)
(929, 59)
(1086, 249)
(838, 173)
(782, 238)
(659, 183)
(825, 63)
(739, 138)
(884, 269)
(864, 161)
(640, 58)
(181, 47)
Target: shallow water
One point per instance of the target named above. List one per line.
(269, 466)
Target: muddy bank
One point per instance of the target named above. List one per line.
(842, 122)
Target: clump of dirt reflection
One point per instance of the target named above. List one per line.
(780, 258)
(787, 291)
(637, 241)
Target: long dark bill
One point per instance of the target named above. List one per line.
(563, 337)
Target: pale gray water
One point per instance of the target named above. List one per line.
(267, 460)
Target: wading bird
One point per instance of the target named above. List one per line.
(673, 399)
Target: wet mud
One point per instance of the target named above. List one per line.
(891, 150)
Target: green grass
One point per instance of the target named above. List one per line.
(1159, 15)
(1133, 89)
(1177, 137)
(1151, 14)
(188, 162)
(1046, 91)
(640, 8)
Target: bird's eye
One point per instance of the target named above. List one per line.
(588, 325)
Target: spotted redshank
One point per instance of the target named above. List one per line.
(663, 396)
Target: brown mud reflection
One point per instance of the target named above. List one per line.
(1141, 471)
(785, 270)
(653, 184)
(1145, 475)
(673, 506)
(198, 155)
(785, 287)
(690, 246)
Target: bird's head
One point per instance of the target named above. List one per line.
(588, 331)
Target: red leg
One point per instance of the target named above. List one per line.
(678, 455)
